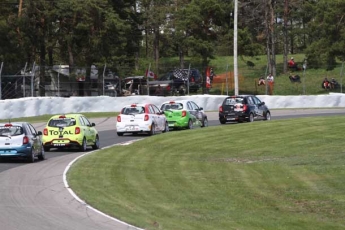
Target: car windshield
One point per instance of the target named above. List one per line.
(233, 100)
(172, 106)
(133, 110)
(62, 122)
(11, 131)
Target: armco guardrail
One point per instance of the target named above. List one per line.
(35, 106)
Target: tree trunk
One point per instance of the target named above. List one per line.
(42, 90)
(156, 48)
(285, 35)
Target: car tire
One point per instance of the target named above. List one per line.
(166, 128)
(152, 131)
(96, 145)
(31, 157)
(41, 156)
(83, 146)
(222, 122)
(190, 124)
(120, 134)
(204, 122)
(46, 149)
(267, 116)
(251, 117)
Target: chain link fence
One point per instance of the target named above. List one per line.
(60, 80)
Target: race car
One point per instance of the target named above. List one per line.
(70, 130)
(141, 118)
(184, 114)
(20, 140)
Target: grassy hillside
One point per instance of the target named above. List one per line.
(248, 76)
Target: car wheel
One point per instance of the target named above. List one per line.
(190, 124)
(31, 157)
(166, 128)
(120, 134)
(251, 117)
(46, 149)
(204, 122)
(83, 146)
(96, 145)
(267, 116)
(152, 131)
(42, 155)
(222, 122)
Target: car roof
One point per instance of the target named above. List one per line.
(17, 123)
(176, 101)
(137, 105)
(135, 77)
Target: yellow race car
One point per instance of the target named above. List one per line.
(70, 130)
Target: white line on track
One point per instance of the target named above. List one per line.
(82, 201)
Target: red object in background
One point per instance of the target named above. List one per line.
(150, 74)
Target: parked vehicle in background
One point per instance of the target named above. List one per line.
(20, 140)
(141, 118)
(176, 82)
(243, 108)
(68, 131)
(184, 114)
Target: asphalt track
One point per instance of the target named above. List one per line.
(34, 197)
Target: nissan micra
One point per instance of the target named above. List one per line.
(68, 131)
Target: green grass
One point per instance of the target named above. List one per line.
(46, 117)
(283, 174)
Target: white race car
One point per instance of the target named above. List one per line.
(141, 118)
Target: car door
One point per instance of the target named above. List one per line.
(89, 133)
(154, 116)
(197, 112)
(36, 139)
(192, 111)
(261, 107)
(160, 118)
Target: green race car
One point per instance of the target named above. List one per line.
(184, 114)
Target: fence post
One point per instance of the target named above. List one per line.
(24, 88)
(105, 66)
(2, 64)
(58, 78)
(226, 80)
(188, 80)
(341, 77)
(304, 69)
(32, 79)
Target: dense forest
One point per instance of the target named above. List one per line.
(128, 34)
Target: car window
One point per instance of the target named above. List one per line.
(11, 130)
(32, 129)
(189, 106)
(155, 109)
(256, 100)
(62, 122)
(82, 121)
(86, 121)
(233, 100)
(194, 106)
(133, 110)
(174, 106)
(250, 100)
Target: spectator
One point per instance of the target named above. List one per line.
(334, 84)
(261, 81)
(270, 80)
(212, 75)
(295, 78)
(326, 84)
(159, 91)
(292, 64)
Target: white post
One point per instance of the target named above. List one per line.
(32, 79)
(341, 77)
(188, 80)
(304, 69)
(147, 81)
(24, 88)
(226, 80)
(2, 64)
(105, 66)
(235, 48)
(58, 78)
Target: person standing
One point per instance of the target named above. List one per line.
(270, 81)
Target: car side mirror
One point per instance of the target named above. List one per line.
(262, 103)
(93, 124)
(201, 108)
(39, 133)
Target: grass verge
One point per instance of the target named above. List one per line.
(283, 174)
